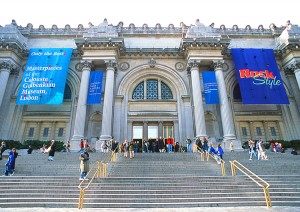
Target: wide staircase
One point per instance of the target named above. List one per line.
(152, 180)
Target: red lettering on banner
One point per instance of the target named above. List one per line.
(246, 73)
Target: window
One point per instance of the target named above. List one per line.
(273, 131)
(31, 132)
(46, 132)
(153, 87)
(138, 92)
(244, 131)
(166, 92)
(237, 93)
(137, 132)
(258, 131)
(152, 132)
(67, 93)
(168, 131)
(60, 132)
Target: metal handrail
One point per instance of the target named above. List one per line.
(101, 171)
(235, 165)
(202, 152)
(221, 162)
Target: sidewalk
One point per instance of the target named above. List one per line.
(204, 209)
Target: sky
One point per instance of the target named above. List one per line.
(151, 12)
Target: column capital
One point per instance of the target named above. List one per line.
(292, 67)
(218, 64)
(111, 63)
(7, 65)
(84, 64)
(193, 63)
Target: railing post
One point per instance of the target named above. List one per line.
(99, 169)
(232, 168)
(104, 169)
(81, 198)
(223, 168)
(267, 197)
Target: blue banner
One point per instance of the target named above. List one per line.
(45, 76)
(210, 88)
(95, 87)
(259, 77)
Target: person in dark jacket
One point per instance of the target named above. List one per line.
(84, 164)
(52, 150)
(9, 163)
(2, 149)
(161, 144)
(15, 158)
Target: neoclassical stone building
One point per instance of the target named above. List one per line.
(152, 84)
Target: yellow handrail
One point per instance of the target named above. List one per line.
(235, 165)
(221, 162)
(202, 152)
(101, 171)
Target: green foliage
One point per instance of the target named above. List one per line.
(245, 145)
(295, 144)
(35, 144)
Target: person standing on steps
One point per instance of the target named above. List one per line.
(84, 164)
(161, 144)
(220, 151)
(2, 149)
(81, 145)
(231, 146)
(15, 156)
(9, 162)
(188, 144)
(52, 150)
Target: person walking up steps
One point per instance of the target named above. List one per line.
(84, 164)
(9, 163)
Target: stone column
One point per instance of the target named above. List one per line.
(5, 68)
(225, 108)
(197, 99)
(38, 130)
(160, 129)
(251, 130)
(266, 128)
(79, 124)
(145, 130)
(53, 130)
(295, 67)
(129, 130)
(106, 133)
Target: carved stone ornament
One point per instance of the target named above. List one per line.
(179, 66)
(124, 66)
(291, 68)
(193, 63)
(7, 65)
(152, 63)
(83, 64)
(218, 64)
(111, 63)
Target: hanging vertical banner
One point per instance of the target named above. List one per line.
(259, 77)
(210, 87)
(45, 76)
(95, 87)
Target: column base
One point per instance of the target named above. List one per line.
(101, 140)
(75, 142)
(237, 145)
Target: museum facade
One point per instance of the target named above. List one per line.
(152, 85)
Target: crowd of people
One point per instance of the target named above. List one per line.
(129, 148)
